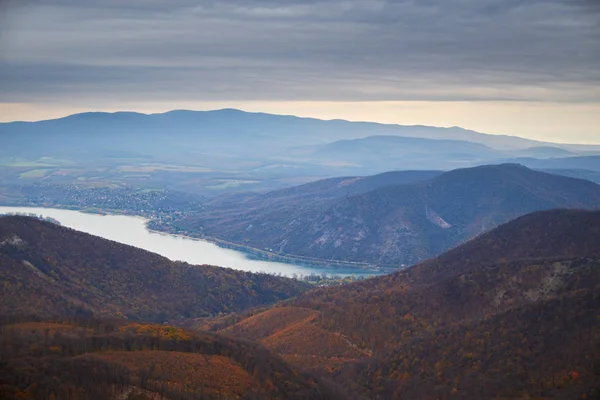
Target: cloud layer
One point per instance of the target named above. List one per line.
(327, 50)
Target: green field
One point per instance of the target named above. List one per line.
(34, 174)
(134, 176)
(18, 162)
(227, 184)
(55, 161)
(163, 167)
(22, 163)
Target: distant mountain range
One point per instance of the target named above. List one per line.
(510, 314)
(241, 124)
(48, 270)
(214, 152)
(389, 219)
(245, 125)
(586, 163)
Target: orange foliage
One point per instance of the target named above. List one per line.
(161, 331)
(215, 376)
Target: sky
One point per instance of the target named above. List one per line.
(528, 68)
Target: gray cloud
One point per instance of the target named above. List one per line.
(301, 50)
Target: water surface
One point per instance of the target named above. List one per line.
(132, 231)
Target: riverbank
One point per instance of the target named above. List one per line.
(157, 225)
(265, 255)
(152, 223)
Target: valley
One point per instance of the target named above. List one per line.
(133, 231)
(355, 225)
(357, 261)
(225, 151)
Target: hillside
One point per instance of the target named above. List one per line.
(389, 225)
(346, 186)
(509, 314)
(104, 360)
(48, 270)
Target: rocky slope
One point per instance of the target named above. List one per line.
(390, 225)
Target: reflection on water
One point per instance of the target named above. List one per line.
(132, 231)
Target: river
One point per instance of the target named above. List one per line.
(132, 231)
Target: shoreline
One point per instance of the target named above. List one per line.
(249, 252)
(265, 255)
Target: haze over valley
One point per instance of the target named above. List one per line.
(224, 151)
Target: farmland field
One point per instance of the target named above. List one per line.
(34, 173)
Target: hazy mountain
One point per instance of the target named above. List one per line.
(510, 313)
(397, 223)
(211, 129)
(240, 124)
(50, 270)
(324, 189)
(545, 152)
(593, 176)
(225, 151)
(590, 163)
(394, 152)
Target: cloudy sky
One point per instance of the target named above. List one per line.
(528, 68)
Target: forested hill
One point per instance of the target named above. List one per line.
(81, 359)
(50, 270)
(543, 235)
(509, 314)
(400, 222)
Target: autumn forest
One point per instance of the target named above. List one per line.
(512, 313)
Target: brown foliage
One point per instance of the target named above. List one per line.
(96, 359)
(49, 270)
(294, 330)
(207, 375)
(509, 314)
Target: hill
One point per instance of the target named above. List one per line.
(377, 153)
(545, 152)
(586, 174)
(49, 270)
(346, 186)
(510, 314)
(92, 359)
(589, 163)
(390, 224)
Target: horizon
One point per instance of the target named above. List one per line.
(530, 71)
(111, 112)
